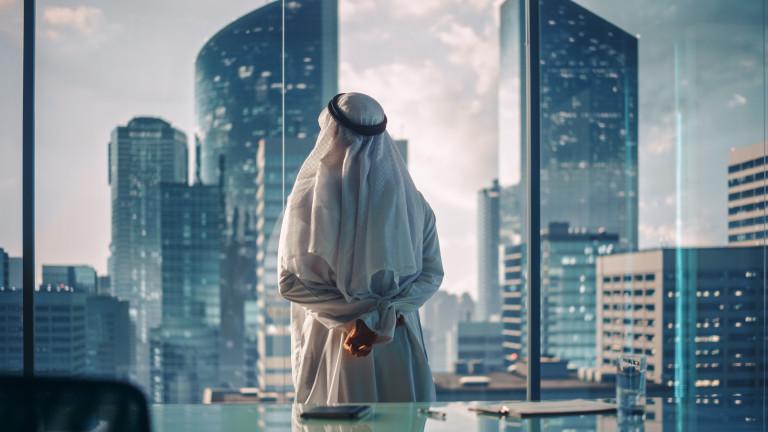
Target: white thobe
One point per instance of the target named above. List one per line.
(397, 369)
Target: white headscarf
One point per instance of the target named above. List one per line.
(355, 208)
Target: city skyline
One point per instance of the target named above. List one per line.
(103, 30)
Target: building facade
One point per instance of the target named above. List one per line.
(109, 337)
(242, 101)
(488, 242)
(589, 92)
(5, 270)
(143, 154)
(277, 169)
(81, 278)
(568, 291)
(695, 313)
(479, 348)
(14, 272)
(513, 308)
(440, 317)
(747, 196)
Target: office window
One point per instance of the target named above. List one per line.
(11, 354)
(165, 156)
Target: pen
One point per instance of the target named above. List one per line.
(437, 415)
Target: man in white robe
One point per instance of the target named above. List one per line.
(358, 256)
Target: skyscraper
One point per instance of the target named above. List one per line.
(747, 196)
(402, 147)
(143, 154)
(568, 291)
(695, 313)
(241, 99)
(81, 278)
(488, 241)
(109, 337)
(192, 234)
(60, 331)
(589, 92)
(4, 269)
(184, 348)
(14, 272)
(273, 331)
(513, 309)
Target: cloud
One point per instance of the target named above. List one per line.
(736, 100)
(81, 19)
(417, 8)
(349, 9)
(470, 48)
(445, 139)
(7, 4)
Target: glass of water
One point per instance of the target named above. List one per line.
(630, 384)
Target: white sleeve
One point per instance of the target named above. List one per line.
(332, 310)
(383, 318)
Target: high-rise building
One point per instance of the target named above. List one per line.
(277, 169)
(104, 285)
(241, 99)
(143, 154)
(109, 337)
(60, 331)
(11, 352)
(184, 362)
(192, 233)
(479, 347)
(488, 242)
(440, 317)
(4, 270)
(747, 196)
(81, 278)
(695, 313)
(15, 277)
(402, 147)
(568, 256)
(513, 308)
(568, 291)
(192, 238)
(76, 333)
(589, 99)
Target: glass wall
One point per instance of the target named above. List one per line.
(169, 136)
(652, 143)
(11, 355)
(151, 128)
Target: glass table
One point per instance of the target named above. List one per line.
(661, 415)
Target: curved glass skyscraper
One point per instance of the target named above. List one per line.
(259, 85)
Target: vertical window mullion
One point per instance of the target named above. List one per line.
(532, 136)
(28, 188)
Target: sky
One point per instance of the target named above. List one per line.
(432, 64)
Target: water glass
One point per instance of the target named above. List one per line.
(630, 383)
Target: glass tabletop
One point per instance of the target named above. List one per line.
(660, 415)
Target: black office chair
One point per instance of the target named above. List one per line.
(69, 404)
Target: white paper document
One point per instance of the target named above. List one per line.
(547, 408)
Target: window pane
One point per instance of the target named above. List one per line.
(652, 143)
(149, 133)
(11, 355)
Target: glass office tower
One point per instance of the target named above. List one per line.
(488, 231)
(143, 154)
(81, 278)
(246, 91)
(568, 291)
(589, 92)
(192, 225)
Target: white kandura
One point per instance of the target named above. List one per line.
(358, 241)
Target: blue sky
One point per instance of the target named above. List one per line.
(432, 64)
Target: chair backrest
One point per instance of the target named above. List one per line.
(70, 404)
